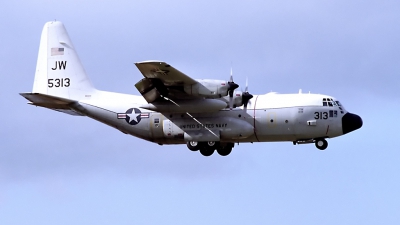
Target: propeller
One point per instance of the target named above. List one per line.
(231, 88)
(246, 96)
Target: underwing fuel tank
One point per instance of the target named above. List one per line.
(210, 129)
(191, 106)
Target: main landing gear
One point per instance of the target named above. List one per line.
(208, 148)
(320, 143)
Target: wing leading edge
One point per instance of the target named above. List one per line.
(161, 79)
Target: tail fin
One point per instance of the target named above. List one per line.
(59, 71)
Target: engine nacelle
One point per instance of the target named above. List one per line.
(208, 88)
(237, 99)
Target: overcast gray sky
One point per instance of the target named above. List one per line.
(60, 169)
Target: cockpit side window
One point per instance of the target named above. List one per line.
(340, 107)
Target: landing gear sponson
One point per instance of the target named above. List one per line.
(320, 143)
(208, 148)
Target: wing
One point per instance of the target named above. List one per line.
(161, 79)
(164, 72)
(166, 89)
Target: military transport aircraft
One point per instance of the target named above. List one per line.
(206, 115)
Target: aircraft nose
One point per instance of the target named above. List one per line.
(351, 122)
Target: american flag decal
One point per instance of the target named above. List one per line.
(121, 115)
(57, 51)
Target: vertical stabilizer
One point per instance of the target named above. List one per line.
(59, 71)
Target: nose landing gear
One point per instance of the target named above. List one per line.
(321, 144)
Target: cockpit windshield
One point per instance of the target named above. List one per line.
(329, 102)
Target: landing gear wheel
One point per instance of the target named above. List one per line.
(212, 144)
(208, 148)
(225, 150)
(193, 145)
(321, 144)
(205, 151)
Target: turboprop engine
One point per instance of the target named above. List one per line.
(153, 89)
(210, 129)
(239, 99)
(210, 88)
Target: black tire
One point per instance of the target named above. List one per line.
(225, 150)
(206, 151)
(193, 145)
(321, 144)
(212, 144)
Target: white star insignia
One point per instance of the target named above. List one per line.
(133, 116)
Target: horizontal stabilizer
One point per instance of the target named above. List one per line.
(51, 102)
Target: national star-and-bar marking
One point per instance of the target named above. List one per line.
(121, 115)
(133, 116)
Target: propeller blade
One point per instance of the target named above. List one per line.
(247, 85)
(246, 96)
(231, 78)
(231, 88)
(230, 102)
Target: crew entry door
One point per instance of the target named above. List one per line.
(156, 125)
